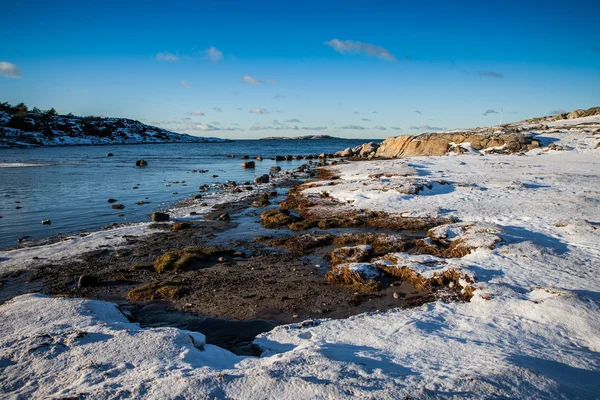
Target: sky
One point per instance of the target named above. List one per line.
(249, 69)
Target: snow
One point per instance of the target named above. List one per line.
(69, 248)
(531, 330)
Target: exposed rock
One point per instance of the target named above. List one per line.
(86, 281)
(180, 226)
(276, 218)
(244, 157)
(262, 179)
(368, 148)
(438, 144)
(112, 200)
(46, 222)
(248, 164)
(353, 254)
(109, 154)
(224, 217)
(141, 163)
(259, 158)
(118, 206)
(274, 170)
(279, 158)
(160, 217)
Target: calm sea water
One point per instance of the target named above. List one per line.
(74, 183)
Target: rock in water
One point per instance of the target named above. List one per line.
(141, 163)
(118, 206)
(262, 179)
(112, 200)
(248, 164)
(109, 154)
(86, 281)
(274, 170)
(46, 222)
(223, 217)
(160, 217)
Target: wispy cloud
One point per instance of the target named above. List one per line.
(217, 109)
(396, 128)
(354, 127)
(418, 112)
(279, 96)
(250, 80)
(166, 56)
(9, 70)
(365, 119)
(314, 128)
(271, 81)
(259, 111)
(366, 49)
(491, 74)
(293, 121)
(184, 84)
(380, 127)
(274, 128)
(558, 111)
(489, 111)
(196, 113)
(426, 128)
(213, 54)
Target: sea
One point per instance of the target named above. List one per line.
(71, 185)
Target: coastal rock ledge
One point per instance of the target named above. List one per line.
(439, 144)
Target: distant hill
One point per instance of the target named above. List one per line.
(307, 137)
(21, 127)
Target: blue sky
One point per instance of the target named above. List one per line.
(240, 69)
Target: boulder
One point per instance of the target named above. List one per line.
(262, 179)
(141, 163)
(244, 157)
(248, 164)
(439, 144)
(224, 217)
(160, 217)
(86, 281)
(46, 222)
(118, 206)
(368, 148)
(112, 200)
(279, 158)
(109, 154)
(259, 158)
(274, 170)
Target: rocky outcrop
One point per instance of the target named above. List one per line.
(439, 144)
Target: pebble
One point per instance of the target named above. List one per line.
(395, 295)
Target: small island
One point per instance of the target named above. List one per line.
(22, 127)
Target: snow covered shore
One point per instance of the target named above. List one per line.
(532, 329)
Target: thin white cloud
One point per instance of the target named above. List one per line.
(184, 84)
(418, 112)
(489, 111)
(396, 128)
(166, 56)
(9, 70)
(354, 127)
(314, 128)
(279, 96)
(271, 81)
(365, 119)
(293, 121)
(380, 127)
(251, 80)
(274, 128)
(217, 109)
(366, 49)
(426, 128)
(259, 111)
(491, 74)
(196, 113)
(213, 54)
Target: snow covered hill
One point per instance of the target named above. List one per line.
(22, 128)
